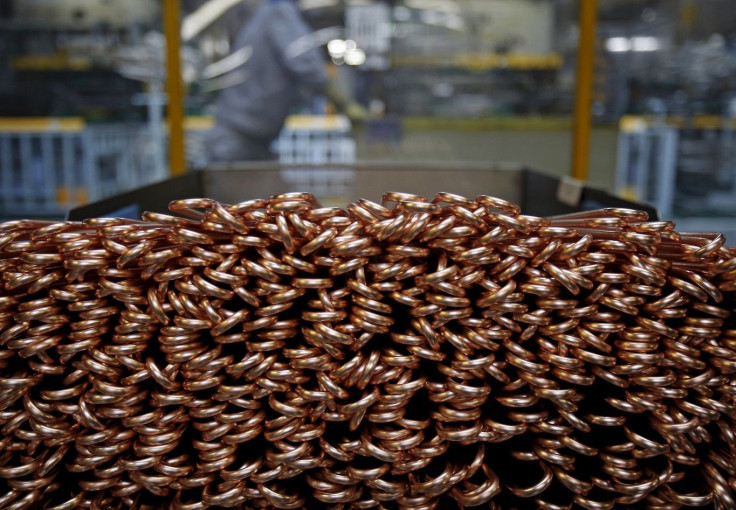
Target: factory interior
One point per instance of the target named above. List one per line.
(635, 98)
(367, 254)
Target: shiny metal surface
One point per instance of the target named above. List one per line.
(415, 354)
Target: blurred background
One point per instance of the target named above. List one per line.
(87, 112)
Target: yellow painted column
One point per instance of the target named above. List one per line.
(584, 90)
(174, 87)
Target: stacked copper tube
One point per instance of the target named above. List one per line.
(415, 354)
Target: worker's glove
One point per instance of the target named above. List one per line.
(356, 113)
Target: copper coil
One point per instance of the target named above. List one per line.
(414, 354)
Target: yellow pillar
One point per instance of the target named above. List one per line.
(584, 90)
(174, 87)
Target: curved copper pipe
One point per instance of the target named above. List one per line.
(207, 360)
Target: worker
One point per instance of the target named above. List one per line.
(280, 73)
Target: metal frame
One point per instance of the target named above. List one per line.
(640, 154)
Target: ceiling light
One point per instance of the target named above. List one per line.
(644, 44)
(355, 57)
(618, 44)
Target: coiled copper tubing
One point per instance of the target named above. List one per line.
(415, 354)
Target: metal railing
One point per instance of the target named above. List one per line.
(646, 166)
(46, 169)
(48, 166)
(317, 140)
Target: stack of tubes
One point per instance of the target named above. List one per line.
(416, 354)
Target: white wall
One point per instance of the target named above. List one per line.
(530, 22)
(83, 14)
